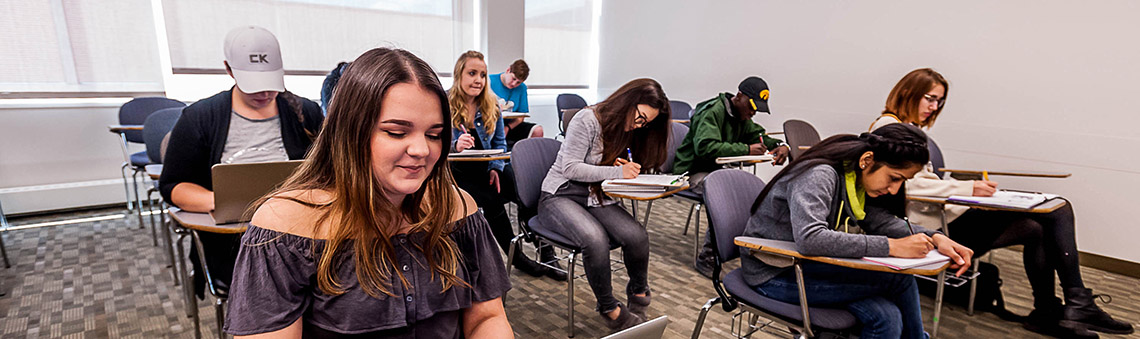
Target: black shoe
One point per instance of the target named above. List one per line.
(1081, 312)
(528, 266)
(638, 305)
(625, 319)
(705, 267)
(546, 255)
(1044, 318)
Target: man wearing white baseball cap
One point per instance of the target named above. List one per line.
(255, 121)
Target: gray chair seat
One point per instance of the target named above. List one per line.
(689, 194)
(828, 318)
(140, 159)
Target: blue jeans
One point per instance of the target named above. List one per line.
(885, 303)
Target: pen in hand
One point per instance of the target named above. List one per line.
(629, 154)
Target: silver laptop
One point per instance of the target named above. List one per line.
(652, 329)
(236, 186)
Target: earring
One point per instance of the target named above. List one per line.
(862, 166)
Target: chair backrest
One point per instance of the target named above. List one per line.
(729, 194)
(679, 110)
(567, 101)
(565, 123)
(156, 127)
(935, 156)
(162, 149)
(134, 112)
(531, 159)
(800, 133)
(676, 136)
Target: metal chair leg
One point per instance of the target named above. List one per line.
(166, 227)
(697, 232)
(220, 310)
(126, 187)
(570, 294)
(973, 289)
(150, 210)
(648, 209)
(701, 318)
(138, 199)
(689, 219)
(4, 228)
(188, 286)
(511, 258)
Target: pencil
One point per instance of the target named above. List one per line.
(986, 175)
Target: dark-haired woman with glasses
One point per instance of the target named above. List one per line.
(615, 139)
(1049, 239)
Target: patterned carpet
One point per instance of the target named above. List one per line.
(104, 279)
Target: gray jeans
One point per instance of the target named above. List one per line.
(594, 228)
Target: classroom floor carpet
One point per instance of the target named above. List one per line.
(103, 278)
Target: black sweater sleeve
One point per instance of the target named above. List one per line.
(187, 156)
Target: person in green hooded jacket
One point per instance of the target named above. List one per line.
(723, 127)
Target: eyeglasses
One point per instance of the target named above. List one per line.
(934, 100)
(640, 120)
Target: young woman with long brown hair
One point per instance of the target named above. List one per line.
(599, 141)
(1049, 239)
(371, 236)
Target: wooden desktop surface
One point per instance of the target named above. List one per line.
(1046, 207)
(204, 222)
(1011, 173)
(641, 196)
(788, 248)
(124, 128)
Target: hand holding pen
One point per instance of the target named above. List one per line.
(465, 140)
(629, 169)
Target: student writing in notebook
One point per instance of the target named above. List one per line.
(257, 120)
(1049, 239)
(477, 124)
(633, 122)
(843, 198)
(723, 127)
(370, 237)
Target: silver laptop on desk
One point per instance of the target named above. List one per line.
(653, 329)
(236, 186)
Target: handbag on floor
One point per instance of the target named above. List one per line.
(987, 299)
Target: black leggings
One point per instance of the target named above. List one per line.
(1049, 240)
(473, 177)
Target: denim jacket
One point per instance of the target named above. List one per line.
(495, 141)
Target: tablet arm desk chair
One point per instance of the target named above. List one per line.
(134, 113)
(567, 101)
(728, 196)
(532, 159)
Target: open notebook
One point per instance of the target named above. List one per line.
(742, 158)
(932, 257)
(1007, 198)
(477, 153)
(648, 183)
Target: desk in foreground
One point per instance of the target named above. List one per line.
(501, 156)
(1034, 174)
(204, 222)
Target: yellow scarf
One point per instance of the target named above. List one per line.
(856, 195)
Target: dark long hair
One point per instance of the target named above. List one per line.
(340, 162)
(648, 144)
(894, 145)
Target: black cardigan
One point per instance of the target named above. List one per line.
(199, 137)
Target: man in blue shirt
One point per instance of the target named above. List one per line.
(511, 90)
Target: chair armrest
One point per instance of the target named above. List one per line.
(787, 249)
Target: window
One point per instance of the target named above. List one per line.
(314, 35)
(65, 47)
(557, 44)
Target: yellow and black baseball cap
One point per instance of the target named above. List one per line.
(757, 91)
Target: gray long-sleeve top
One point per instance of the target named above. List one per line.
(797, 209)
(580, 155)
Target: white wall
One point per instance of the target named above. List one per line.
(1040, 85)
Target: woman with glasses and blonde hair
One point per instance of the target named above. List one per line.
(371, 237)
(1049, 239)
(615, 139)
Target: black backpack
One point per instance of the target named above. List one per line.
(987, 299)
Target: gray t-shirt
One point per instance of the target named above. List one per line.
(252, 141)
